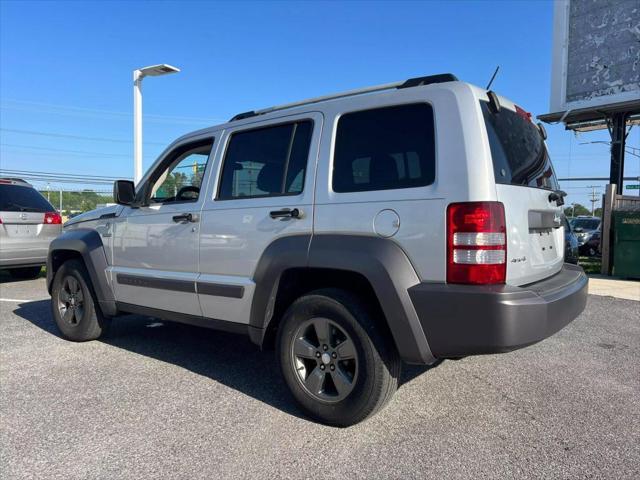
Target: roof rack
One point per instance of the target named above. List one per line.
(412, 82)
(13, 180)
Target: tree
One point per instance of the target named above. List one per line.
(77, 201)
(575, 210)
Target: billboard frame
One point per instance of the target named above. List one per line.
(593, 111)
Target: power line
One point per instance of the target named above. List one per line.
(592, 179)
(84, 111)
(58, 177)
(58, 174)
(82, 152)
(73, 137)
(65, 180)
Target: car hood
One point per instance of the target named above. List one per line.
(94, 214)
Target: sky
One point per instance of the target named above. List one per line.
(66, 70)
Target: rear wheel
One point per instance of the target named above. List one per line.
(73, 304)
(25, 273)
(337, 361)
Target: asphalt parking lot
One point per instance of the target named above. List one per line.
(160, 400)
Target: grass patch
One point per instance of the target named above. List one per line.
(590, 264)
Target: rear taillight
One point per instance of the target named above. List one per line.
(52, 218)
(476, 243)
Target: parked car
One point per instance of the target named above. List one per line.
(28, 223)
(592, 246)
(418, 222)
(571, 253)
(587, 230)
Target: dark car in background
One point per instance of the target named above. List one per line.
(587, 230)
(592, 246)
(28, 224)
(571, 253)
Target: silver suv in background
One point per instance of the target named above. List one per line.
(587, 230)
(28, 224)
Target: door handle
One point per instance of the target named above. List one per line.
(185, 217)
(286, 213)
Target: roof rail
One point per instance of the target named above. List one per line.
(13, 180)
(412, 82)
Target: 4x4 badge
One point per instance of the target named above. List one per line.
(518, 260)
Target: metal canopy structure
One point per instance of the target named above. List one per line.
(595, 76)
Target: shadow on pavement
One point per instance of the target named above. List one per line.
(5, 277)
(226, 358)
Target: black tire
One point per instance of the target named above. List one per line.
(86, 323)
(378, 364)
(25, 273)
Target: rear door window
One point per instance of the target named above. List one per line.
(518, 150)
(18, 198)
(384, 148)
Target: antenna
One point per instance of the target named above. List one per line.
(493, 77)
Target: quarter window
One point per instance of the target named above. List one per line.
(264, 162)
(385, 148)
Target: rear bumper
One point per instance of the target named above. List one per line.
(460, 320)
(15, 257)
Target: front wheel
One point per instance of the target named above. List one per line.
(336, 359)
(73, 304)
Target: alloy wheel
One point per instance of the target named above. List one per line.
(71, 300)
(325, 359)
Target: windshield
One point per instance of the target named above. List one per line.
(585, 223)
(518, 150)
(18, 198)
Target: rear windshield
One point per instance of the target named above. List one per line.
(18, 198)
(518, 151)
(585, 223)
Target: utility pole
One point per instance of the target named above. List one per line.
(594, 197)
(618, 131)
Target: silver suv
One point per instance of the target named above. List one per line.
(409, 222)
(28, 223)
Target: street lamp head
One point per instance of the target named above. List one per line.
(156, 70)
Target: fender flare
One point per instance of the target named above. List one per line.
(88, 244)
(381, 261)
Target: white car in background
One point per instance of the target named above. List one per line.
(28, 223)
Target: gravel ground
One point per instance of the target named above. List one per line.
(156, 399)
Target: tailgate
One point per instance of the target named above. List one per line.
(535, 235)
(25, 231)
(526, 184)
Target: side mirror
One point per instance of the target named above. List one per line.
(124, 192)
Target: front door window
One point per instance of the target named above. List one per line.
(181, 180)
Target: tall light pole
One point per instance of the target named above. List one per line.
(138, 75)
